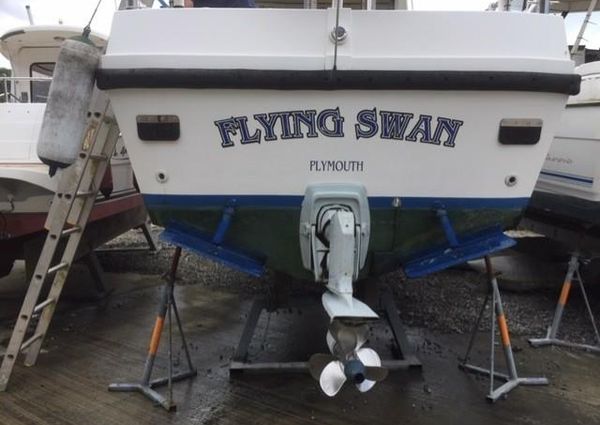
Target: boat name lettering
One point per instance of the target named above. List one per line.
(309, 123)
(336, 165)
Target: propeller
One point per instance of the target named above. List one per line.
(348, 361)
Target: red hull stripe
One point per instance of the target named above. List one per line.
(21, 224)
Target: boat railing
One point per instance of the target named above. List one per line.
(7, 89)
(530, 6)
(138, 4)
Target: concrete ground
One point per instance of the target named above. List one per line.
(93, 343)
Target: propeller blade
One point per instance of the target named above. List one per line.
(345, 337)
(332, 378)
(373, 370)
(368, 357)
(317, 363)
(365, 385)
(361, 336)
(330, 341)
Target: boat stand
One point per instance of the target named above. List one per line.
(151, 240)
(239, 362)
(512, 379)
(146, 386)
(551, 337)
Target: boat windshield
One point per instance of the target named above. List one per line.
(39, 86)
(224, 3)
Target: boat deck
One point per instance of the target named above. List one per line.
(95, 343)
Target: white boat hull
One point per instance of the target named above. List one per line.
(387, 167)
(239, 141)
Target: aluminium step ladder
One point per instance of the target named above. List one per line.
(71, 206)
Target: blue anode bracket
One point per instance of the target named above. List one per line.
(223, 226)
(468, 249)
(447, 226)
(211, 246)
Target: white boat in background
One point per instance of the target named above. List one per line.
(568, 189)
(566, 202)
(26, 189)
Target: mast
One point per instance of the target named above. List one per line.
(29, 15)
(586, 20)
(403, 4)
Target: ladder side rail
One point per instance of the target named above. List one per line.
(70, 251)
(90, 182)
(55, 222)
(61, 206)
(73, 176)
(21, 325)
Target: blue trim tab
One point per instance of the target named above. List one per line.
(295, 201)
(203, 245)
(471, 248)
(588, 181)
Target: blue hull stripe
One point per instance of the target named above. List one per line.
(294, 201)
(566, 176)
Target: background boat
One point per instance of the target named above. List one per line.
(565, 205)
(26, 189)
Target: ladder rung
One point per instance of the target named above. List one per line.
(99, 157)
(43, 305)
(58, 267)
(31, 341)
(84, 193)
(70, 230)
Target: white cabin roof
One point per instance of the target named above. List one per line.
(13, 41)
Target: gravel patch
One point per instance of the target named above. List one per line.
(447, 301)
